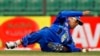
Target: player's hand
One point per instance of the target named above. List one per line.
(86, 12)
(84, 50)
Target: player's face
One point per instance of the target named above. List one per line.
(72, 22)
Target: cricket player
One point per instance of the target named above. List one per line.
(57, 37)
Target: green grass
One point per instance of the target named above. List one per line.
(39, 53)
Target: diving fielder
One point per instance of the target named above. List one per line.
(57, 37)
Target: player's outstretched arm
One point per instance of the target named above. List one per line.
(73, 13)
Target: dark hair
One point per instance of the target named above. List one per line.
(79, 22)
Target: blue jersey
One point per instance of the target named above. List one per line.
(58, 32)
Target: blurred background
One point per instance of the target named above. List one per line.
(21, 17)
(46, 7)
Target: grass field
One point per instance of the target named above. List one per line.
(38, 53)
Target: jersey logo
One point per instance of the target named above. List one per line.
(63, 38)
